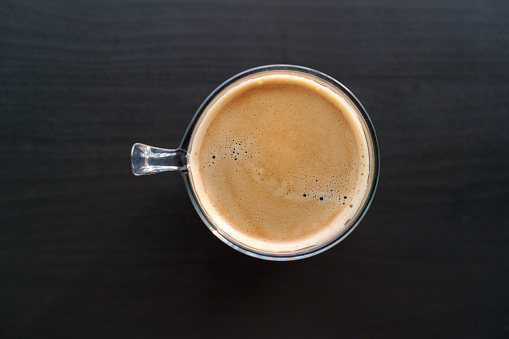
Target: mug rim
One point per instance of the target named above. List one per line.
(362, 210)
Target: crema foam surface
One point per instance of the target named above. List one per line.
(279, 162)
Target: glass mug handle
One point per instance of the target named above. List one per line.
(146, 160)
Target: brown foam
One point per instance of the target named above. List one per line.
(274, 157)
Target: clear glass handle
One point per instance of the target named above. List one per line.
(147, 160)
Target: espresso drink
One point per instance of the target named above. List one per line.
(279, 161)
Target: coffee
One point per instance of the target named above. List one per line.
(279, 161)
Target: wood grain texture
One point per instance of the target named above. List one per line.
(88, 250)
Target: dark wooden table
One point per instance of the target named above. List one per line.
(89, 250)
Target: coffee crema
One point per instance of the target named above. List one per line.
(279, 161)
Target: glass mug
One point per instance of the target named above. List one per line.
(149, 160)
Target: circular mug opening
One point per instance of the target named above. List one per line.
(224, 221)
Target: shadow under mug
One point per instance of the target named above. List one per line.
(150, 160)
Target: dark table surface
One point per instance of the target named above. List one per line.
(89, 250)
